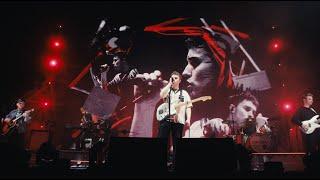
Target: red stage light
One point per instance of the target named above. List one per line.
(287, 107)
(275, 45)
(57, 44)
(45, 104)
(53, 63)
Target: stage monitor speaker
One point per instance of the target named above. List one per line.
(138, 155)
(206, 156)
(37, 137)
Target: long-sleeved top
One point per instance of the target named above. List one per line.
(302, 114)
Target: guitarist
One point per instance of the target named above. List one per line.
(16, 137)
(306, 112)
(175, 122)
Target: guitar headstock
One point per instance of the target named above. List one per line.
(205, 98)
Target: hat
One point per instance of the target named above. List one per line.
(20, 100)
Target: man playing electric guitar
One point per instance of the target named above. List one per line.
(302, 118)
(179, 117)
(15, 135)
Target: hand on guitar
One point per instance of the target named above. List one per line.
(310, 125)
(305, 127)
(6, 120)
(26, 114)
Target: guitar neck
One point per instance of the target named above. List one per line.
(192, 101)
(196, 100)
(17, 118)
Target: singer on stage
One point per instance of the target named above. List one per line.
(174, 122)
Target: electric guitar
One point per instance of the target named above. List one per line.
(310, 125)
(8, 127)
(163, 109)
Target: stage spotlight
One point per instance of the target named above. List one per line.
(45, 104)
(56, 43)
(275, 45)
(287, 107)
(53, 63)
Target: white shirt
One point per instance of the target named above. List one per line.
(174, 99)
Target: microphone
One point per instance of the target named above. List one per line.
(172, 79)
(104, 65)
(95, 39)
(103, 22)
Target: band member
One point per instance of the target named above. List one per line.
(175, 122)
(306, 112)
(17, 135)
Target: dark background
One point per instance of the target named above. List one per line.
(27, 26)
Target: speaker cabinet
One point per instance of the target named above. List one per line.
(138, 155)
(206, 156)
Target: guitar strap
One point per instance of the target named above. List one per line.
(19, 113)
(314, 110)
(180, 96)
(169, 99)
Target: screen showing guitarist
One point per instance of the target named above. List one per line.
(177, 116)
(15, 132)
(302, 118)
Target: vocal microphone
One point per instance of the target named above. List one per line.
(104, 65)
(95, 39)
(103, 22)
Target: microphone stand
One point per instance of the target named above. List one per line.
(232, 119)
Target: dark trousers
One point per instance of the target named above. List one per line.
(312, 141)
(176, 129)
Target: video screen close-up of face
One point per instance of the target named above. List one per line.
(200, 72)
(244, 110)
